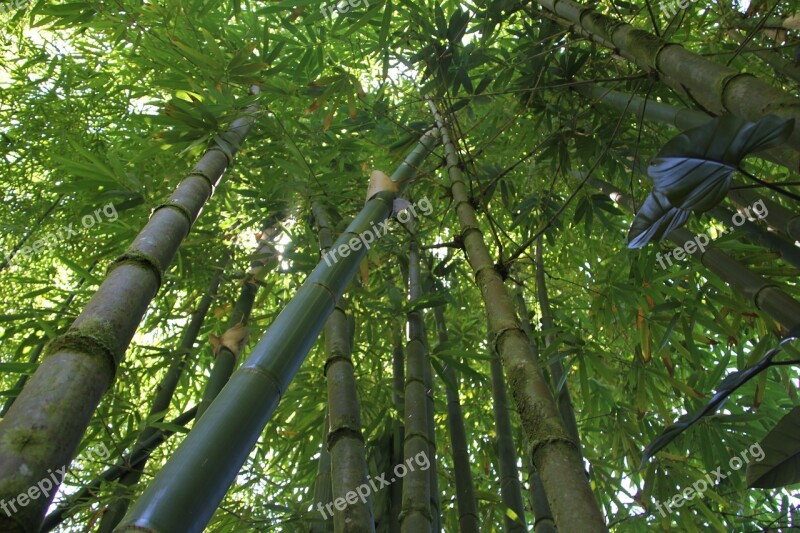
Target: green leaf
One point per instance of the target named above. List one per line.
(781, 463)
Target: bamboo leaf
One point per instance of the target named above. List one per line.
(781, 463)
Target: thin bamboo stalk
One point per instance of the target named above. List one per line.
(345, 439)
(468, 519)
(555, 454)
(185, 493)
(759, 291)
(42, 430)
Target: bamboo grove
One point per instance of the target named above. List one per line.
(399, 266)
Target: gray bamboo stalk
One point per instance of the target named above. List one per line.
(781, 219)
(41, 432)
(717, 88)
(345, 439)
(770, 57)
(759, 291)
(510, 486)
(555, 454)
(164, 393)
(542, 515)
(468, 519)
(323, 492)
(227, 353)
(433, 470)
(416, 512)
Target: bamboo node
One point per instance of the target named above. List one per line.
(92, 338)
(196, 172)
(142, 259)
(534, 446)
(182, 209)
(379, 182)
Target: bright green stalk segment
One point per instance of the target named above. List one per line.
(468, 521)
(718, 88)
(323, 492)
(759, 291)
(186, 492)
(42, 430)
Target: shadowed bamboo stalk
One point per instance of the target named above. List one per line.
(398, 393)
(323, 493)
(416, 513)
(140, 453)
(542, 515)
(42, 430)
(465, 488)
(554, 453)
(510, 486)
(759, 291)
(165, 391)
(185, 493)
(229, 346)
(717, 88)
(433, 470)
(778, 217)
(345, 439)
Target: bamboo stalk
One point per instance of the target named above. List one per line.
(417, 513)
(185, 493)
(759, 291)
(166, 390)
(345, 439)
(468, 519)
(42, 430)
(323, 492)
(717, 88)
(554, 453)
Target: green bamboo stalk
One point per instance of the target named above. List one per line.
(759, 291)
(717, 88)
(140, 453)
(417, 513)
(542, 515)
(430, 411)
(677, 117)
(398, 388)
(227, 354)
(778, 217)
(345, 439)
(166, 390)
(510, 486)
(468, 521)
(759, 235)
(42, 430)
(563, 398)
(323, 492)
(555, 454)
(185, 493)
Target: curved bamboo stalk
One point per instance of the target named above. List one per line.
(132, 461)
(43, 428)
(554, 453)
(468, 519)
(345, 439)
(417, 513)
(717, 88)
(185, 493)
(510, 486)
(166, 390)
(759, 291)
(227, 353)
